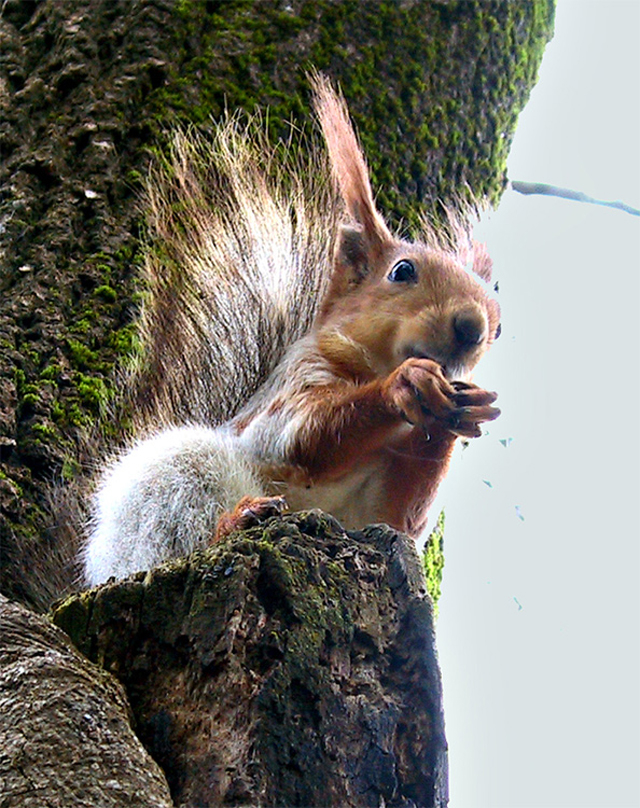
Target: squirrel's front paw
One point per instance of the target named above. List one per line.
(422, 393)
(248, 512)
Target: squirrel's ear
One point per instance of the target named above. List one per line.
(347, 162)
(351, 260)
(351, 265)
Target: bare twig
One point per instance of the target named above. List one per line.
(566, 193)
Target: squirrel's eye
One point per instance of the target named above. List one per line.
(403, 272)
(498, 331)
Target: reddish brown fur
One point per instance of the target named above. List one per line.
(345, 427)
(359, 414)
(248, 512)
(393, 350)
(349, 426)
(415, 468)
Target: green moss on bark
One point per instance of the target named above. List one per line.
(433, 560)
(435, 88)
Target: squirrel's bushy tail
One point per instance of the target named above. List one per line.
(240, 247)
(241, 242)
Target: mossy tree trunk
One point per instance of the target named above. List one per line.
(87, 89)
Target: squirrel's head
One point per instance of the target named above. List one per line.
(391, 299)
(401, 299)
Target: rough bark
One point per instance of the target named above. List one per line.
(65, 729)
(293, 665)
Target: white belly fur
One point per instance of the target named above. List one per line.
(355, 500)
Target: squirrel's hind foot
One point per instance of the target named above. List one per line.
(250, 511)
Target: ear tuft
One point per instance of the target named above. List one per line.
(347, 161)
(482, 263)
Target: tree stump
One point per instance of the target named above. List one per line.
(292, 665)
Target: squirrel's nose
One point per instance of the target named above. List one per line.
(470, 328)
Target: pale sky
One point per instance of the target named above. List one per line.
(539, 629)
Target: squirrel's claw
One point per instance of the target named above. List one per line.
(471, 396)
(465, 422)
(248, 512)
(472, 409)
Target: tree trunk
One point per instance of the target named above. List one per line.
(87, 87)
(65, 726)
(280, 669)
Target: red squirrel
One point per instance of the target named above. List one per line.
(358, 407)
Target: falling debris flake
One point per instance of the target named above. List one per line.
(506, 442)
(519, 514)
(518, 603)
(487, 482)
